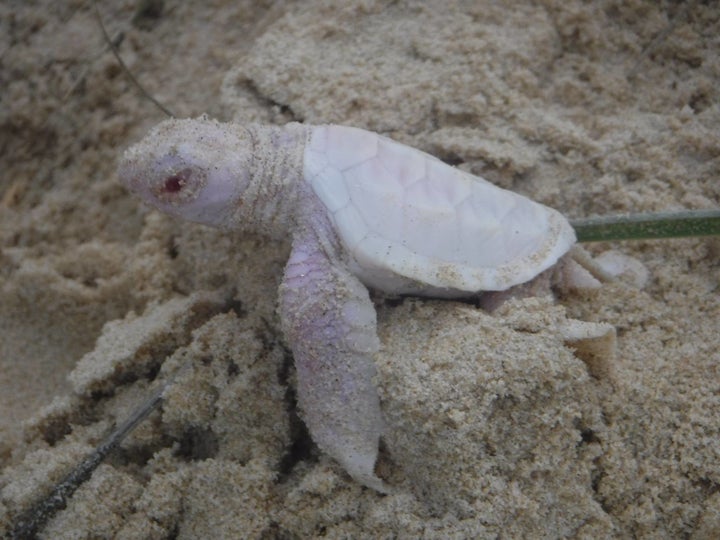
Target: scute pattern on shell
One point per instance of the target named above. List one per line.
(405, 212)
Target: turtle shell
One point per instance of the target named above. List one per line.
(406, 218)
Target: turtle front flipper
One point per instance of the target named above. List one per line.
(330, 324)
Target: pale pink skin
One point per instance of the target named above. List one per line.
(234, 177)
(251, 178)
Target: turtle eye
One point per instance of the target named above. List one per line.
(174, 184)
(178, 186)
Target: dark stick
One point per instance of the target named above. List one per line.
(27, 525)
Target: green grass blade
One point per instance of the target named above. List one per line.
(648, 226)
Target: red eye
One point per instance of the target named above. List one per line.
(173, 184)
(177, 186)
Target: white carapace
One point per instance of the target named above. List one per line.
(362, 210)
(412, 224)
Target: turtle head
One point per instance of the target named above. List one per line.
(194, 169)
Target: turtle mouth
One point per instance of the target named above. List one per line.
(131, 179)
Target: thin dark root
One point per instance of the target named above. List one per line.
(128, 73)
(31, 521)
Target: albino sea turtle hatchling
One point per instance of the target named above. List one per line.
(361, 210)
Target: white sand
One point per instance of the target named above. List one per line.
(495, 427)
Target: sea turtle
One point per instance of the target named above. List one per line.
(361, 210)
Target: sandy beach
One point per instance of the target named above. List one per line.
(497, 427)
